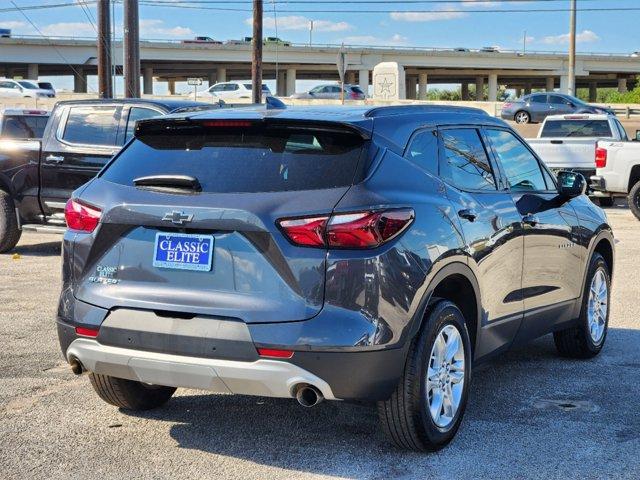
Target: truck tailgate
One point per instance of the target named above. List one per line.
(566, 153)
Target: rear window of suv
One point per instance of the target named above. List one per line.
(576, 128)
(245, 159)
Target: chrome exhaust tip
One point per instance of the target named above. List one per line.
(309, 396)
(76, 366)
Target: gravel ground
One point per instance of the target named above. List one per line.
(531, 414)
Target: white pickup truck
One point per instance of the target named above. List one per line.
(618, 171)
(568, 142)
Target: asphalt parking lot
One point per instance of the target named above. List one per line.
(531, 414)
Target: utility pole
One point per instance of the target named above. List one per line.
(131, 50)
(105, 89)
(256, 60)
(310, 32)
(572, 50)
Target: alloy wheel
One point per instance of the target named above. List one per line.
(597, 306)
(522, 117)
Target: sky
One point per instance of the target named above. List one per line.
(446, 24)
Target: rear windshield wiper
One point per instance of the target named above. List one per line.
(169, 182)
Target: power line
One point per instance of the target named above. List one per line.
(43, 7)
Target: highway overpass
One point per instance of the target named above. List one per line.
(173, 61)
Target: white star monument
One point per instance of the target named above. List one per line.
(388, 81)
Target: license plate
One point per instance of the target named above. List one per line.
(183, 251)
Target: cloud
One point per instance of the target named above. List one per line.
(156, 28)
(13, 24)
(299, 22)
(585, 36)
(68, 29)
(395, 40)
(433, 16)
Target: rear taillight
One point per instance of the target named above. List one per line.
(354, 96)
(274, 353)
(367, 229)
(87, 332)
(81, 217)
(507, 105)
(601, 157)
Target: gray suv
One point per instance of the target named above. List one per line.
(538, 106)
(373, 254)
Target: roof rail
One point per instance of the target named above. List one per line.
(403, 109)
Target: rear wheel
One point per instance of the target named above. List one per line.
(634, 200)
(522, 117)
(9, 231)
(129, 394)
(585, 340)
(426, 409)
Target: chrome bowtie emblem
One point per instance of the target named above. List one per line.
(177, 217)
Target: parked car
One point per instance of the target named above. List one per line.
(618, 172)
(234, 90)
(5, 33)
(22, 88)
(490, 49)
(37, 177)
(242, 41)
(48, 87)
(568, 142)
(208, 40)
(328, 253)
(16, 123)
(332, 91)
(536, 107)
(276, 41)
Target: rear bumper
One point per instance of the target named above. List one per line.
(597, 183)
(264, 377)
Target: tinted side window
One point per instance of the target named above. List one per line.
(464, 161)
(92, 125)
(135, 114)
(423, 151)
(520, 166)
(538, 99)
(623, 132)
(556, 100)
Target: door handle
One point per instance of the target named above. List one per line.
(54, 158)
(467, 214)
(530, 220)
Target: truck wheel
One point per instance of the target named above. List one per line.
(606, 201)
(9, 231)
(634, 200)
(129, 394)
(585, 340)
(425, 410)
(522, 117)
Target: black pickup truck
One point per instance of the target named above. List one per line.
(38, 176)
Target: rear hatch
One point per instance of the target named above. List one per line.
(189, 215)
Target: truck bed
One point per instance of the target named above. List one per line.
(566, 153)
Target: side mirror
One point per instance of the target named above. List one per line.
(637, 139)
(571, 184)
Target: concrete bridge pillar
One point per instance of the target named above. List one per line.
(493, 87)
(551, 84)
(281, 83)
(479, 89)
(464, 91)
(32, 71)
(79, 80)
(291, 81)
(363, 81)
(527, 88)
(221, 74)
(622, 85)
(351, 77)
(410, 83)
(171, 85)
(564, 84)
(518, 92)
(147, 81)
(212, 77)
(593, 91)
(422, 86)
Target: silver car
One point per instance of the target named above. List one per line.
(536, 107)
(332, 91)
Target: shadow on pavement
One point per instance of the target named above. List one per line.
(38, 249)
(531, 413)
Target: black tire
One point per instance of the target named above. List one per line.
(634, 200)
(522, 117)
(405, 416)
(576, 341)
(129, 394)
(606, 201)
(9, 231)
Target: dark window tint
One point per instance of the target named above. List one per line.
(556, 100)
(357, 90)
(23, 126)
(135, 114)
(520, 166)
(254, 159)
(424, 151)
(538, 99)
(465, 162)
(576, 128)
(92, 125)
(8, 85)
(621, 131)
